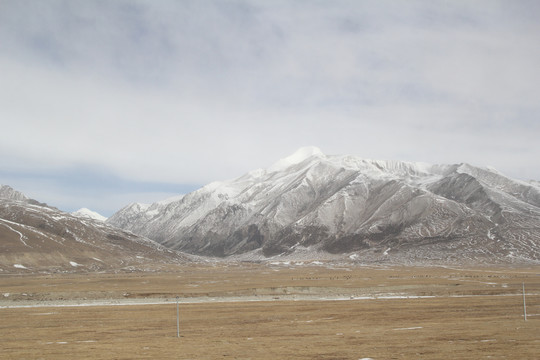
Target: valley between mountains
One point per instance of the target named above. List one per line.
(316, 257)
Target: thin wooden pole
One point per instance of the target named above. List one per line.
(524, 304)
(177, 319)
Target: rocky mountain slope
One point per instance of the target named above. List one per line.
(314, 205)
(38, 238)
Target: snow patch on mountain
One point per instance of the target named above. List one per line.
(296, 158)
(88, 214)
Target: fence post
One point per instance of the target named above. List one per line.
(524, 305)
(177, 319)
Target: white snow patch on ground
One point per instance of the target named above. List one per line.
(19, 266)
(74, 264)
(279, 263)
(43, 314)
(409, 328)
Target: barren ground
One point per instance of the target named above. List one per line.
(247, 311)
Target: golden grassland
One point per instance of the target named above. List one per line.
(473, 314)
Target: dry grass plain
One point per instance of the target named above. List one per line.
(473, 314)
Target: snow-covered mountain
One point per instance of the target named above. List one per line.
(318, 205)
(38, 238)
(88, 214)
(7, 192)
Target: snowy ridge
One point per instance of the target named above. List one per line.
(299, 156)
(88, 214)
(317, 204)
(7, 192)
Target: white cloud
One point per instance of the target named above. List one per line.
(196, 91)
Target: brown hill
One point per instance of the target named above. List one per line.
(37, 238)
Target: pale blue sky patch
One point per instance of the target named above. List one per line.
(101, 190)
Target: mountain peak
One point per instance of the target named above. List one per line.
(88, 214)
(7, 192)
(297, 157)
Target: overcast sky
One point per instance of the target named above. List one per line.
(103, 103)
